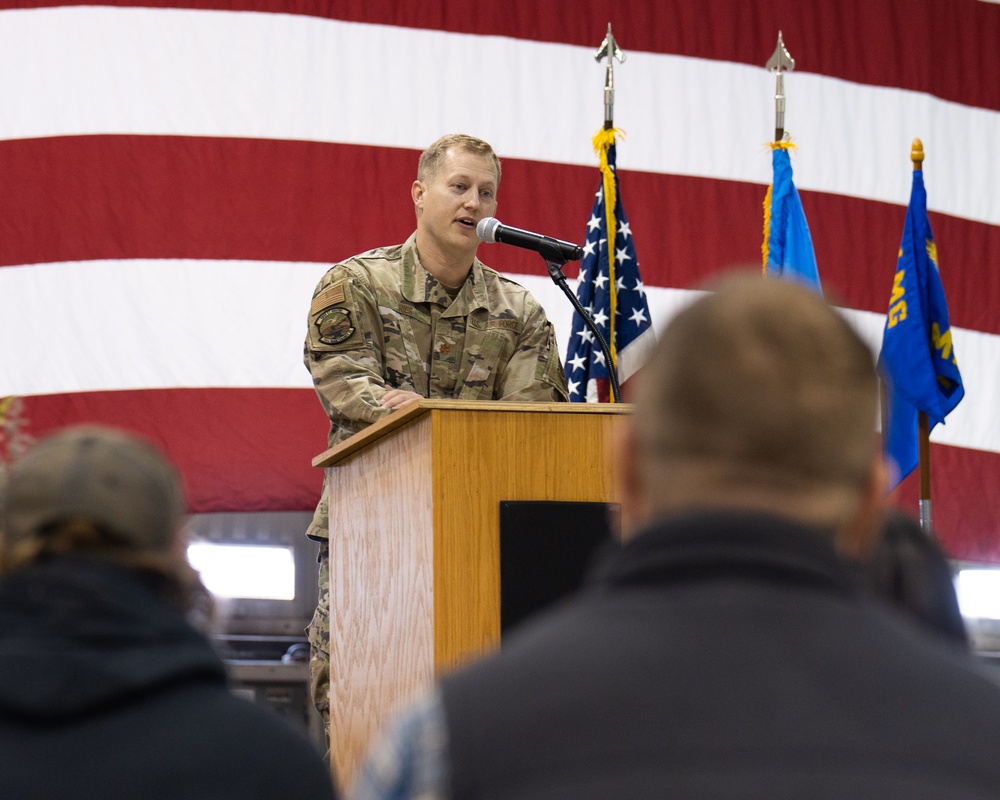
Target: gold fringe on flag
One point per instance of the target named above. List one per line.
(765, 248)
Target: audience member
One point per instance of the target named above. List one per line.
(908, 568)
(106, 690)
(728, 650)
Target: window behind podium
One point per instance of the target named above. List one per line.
(262, 571)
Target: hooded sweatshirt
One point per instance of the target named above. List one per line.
(107, 691)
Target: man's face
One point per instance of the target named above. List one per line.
(452, 201)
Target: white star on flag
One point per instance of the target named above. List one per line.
(595, 290)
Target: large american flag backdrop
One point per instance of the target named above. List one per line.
(175, 177)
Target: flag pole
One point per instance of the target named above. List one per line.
(780, 62)
(610, 50)
(787, 249)
(603, 141)
(923, 423)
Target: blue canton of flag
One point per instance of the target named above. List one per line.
(917, 358)
(788, 248)
(586, 367)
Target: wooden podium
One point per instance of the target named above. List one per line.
(414, 541)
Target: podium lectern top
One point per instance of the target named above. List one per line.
(413, 411)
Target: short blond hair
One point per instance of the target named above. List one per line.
(431, 158)
(758, 389)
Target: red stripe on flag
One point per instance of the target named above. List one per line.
(250, 450)
(218, 198)
(924, 47)
(107, 197)
(237, 449)
(965, 496)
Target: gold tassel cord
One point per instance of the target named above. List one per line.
(765, 248)
(603, 140)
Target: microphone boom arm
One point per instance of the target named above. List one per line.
(555, 263)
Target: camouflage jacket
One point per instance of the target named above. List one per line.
(379, 321)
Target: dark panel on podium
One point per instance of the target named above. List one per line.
(546, 549)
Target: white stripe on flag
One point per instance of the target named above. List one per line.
(240, 324)
(251, 77)
(138, 324)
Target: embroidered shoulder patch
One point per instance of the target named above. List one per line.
(334, 325)
(328, 297)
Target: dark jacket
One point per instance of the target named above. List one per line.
(107, 692)
(723, 656)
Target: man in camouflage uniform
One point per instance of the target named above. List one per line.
(422, 319)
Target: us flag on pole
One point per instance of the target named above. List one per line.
(611, 290)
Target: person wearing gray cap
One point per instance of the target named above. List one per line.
(106, 689)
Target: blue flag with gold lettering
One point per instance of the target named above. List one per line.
(917, 360)
(788, 248)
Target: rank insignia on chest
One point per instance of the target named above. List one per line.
(334, 325)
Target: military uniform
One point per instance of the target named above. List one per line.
(380, 321)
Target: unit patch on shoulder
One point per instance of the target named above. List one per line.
(334, 325)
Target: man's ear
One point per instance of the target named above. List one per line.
(417, 193)
(864, 528)
(628, 484)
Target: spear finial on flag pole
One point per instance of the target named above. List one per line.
(780, 62)
(609, 49)
(604, 141)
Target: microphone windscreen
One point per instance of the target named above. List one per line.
(486, 230)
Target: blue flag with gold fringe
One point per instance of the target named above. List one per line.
(917, 359)
(788, 249)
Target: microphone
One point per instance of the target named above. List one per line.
(491, 230)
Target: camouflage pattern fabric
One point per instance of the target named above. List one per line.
(380, 321)
(319, 645)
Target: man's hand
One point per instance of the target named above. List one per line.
(395, 398)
